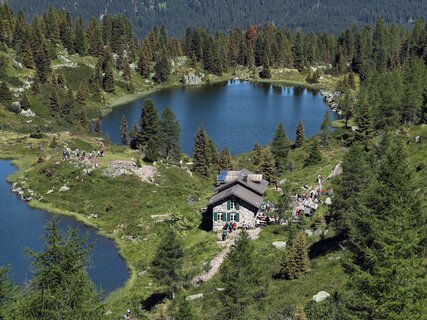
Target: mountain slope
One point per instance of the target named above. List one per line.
(312, 15)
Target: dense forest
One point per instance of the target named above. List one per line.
(378, 210)
(309, 15)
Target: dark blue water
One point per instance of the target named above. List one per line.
(23, 227)
(234, 114)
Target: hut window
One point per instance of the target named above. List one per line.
(232, 203)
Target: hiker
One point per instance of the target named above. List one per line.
(102, 152)
(226, 226)
(224, 235)
(234, 225)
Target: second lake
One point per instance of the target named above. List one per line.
(235, 114)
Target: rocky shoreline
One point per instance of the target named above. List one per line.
(331, 98)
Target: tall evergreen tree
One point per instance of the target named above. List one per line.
(60, 287)
(225, 160)
(297, 263)
(201, 153)
(108, 80)
(124, 134)
(299, 140)
(54, 100)
(242, 280)
(143, 65)
(388, 244)
(80, 37)
(5, 94)
(257, 153)
(162, 67)
(149, 126)
(185, 311)
(314, 155)
(170, 135)
(268, 166)
(167, 263)
(25, 103)
(280, 147)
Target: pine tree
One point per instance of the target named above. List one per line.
(170, 135)
(257, 153)
(54, 101)
(133, 135)
(60, 287)
(8, 293)
(364, 123)
(185, 311)
(27, 56)
(5, 94)
(108, 81)
(83, 124)
(67, 107)
(346, 107)
(213, 153)
(60, 80)
(324, 129)
(201, 153)
(82, 94)
(167, 263)
(299, 140)
(66, 34)
(149, 125)
(225, 160)
(314, 155)
(268, 166)
(124, 134)
(126, 69)
(349, 186)
(241, 279)
(80, 37)
(162, 68)
(25, 103)
(388, 244)
(280, 147)
(297, 263)
(35, 86)
(143, 65)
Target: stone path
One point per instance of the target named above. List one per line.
(216, 263)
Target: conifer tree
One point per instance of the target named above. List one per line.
(133, 137)
(314, 155)
(126, 69)
(35, 86)
(280, 147)
(201, 153)
(299, 140)
(19, 33)
(60, 287)
(167, 263)
(324, 128)
(80, 37)
(364, 123)
(162, 67)
(241, 279)
(83, 122)
(213, 153)
(66, 33)
(82, 94)
(297, 263)
(54, 100)
(98, 126)
(108, 81)
(388, 244)
(67, 107)
(124, 134)
(149, 126)
(185, 311)
(143, 65)
(170, 135)
(300, 313)
(225, 160)
(257, 153)
(27, 56)
(25, 103)
(5, 94)
(8, 293)
(268, 166)
(60, 80)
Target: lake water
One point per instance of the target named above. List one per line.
(234, 114)
(22, 227)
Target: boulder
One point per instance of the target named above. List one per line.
(279, 244)
(308, 232)
(192, 79)
(27, 113)
(328, 201)
(49, 191)
(318, 232)
(320, 296)
(195, 297)
(64, 188)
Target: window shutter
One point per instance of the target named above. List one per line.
(237, 204)
(224, 216)
(228, 204)
(237, 217)
(215, 216)
(228, 216)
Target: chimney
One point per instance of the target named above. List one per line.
(245, 177)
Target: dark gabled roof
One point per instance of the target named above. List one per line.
(258, 187)
(240, 192)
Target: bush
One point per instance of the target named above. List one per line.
(14, 107)
(37, 135)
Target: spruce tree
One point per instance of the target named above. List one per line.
(149, 126)
(54, 101)
(143, 65)
(170, 147)
(60, 287)
(364, 123)
(185, 311)
(388, 244)
(257, 153)
(5, 94)
(314, 155)
(299, 139)
(133, 137)
(126, 69)
(8, 293)
(324, 128)
(83, 124)
(213, 153)
(280, 147)
(242, 280)
(225, 160)
(98, 126)
(25, 103)
(167, 263)
(27, 56)
(35, 86)
(162, 68)
(108, 80)
(297, 263)
(80, 37)
(67, 107)
(82, 94)
(201, 152)
(268, 166)
(124, 134)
